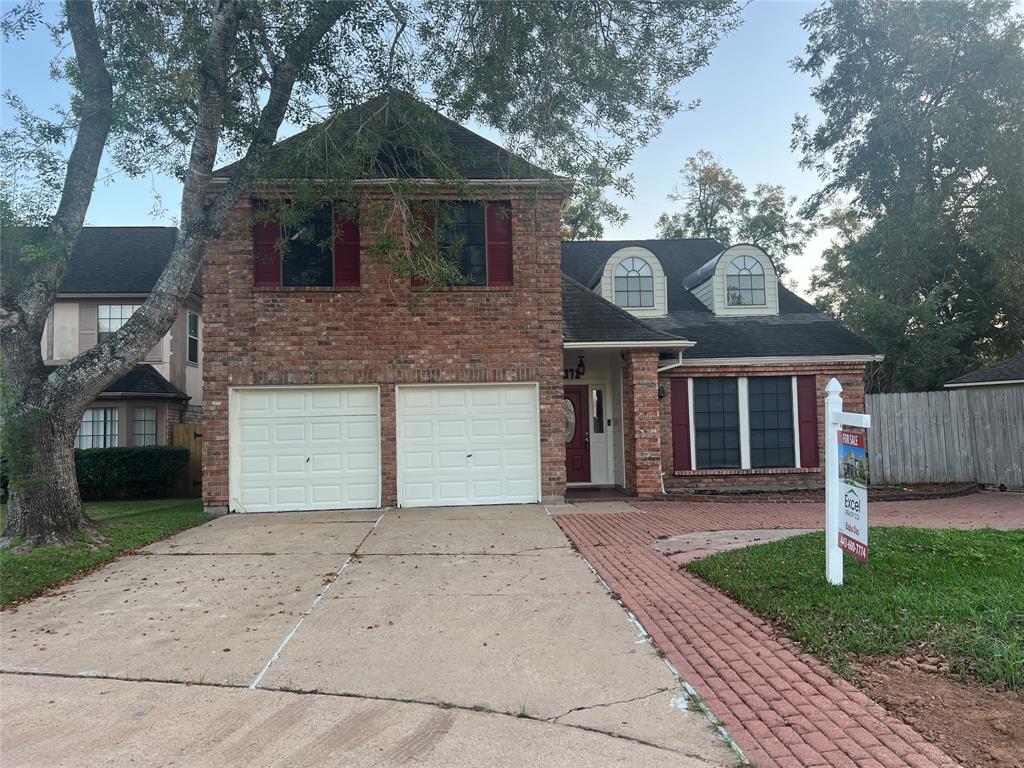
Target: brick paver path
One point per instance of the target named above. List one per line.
(784, 708)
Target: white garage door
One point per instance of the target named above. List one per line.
(295, 448)
(468, 445)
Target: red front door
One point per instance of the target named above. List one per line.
(577, 434)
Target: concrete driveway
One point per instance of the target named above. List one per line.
(458, 636)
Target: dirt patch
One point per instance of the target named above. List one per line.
(979, 726)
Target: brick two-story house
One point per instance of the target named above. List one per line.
(331, 383)
(110, 273)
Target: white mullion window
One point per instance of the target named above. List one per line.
(144, 424)
(98, 429)
(110, 318)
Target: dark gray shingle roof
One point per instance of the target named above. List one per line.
(120, 260)
(388, 134)
(1010, 369)
(799, 329)
(588, 317)
(144, 381)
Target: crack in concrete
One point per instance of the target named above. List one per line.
(316, 601)
(477, 709)
(607, 704)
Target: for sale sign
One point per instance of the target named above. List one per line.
(853, 495)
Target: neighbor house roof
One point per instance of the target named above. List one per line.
(799, 330)
(385, 138)
(120, 260)
(143, 381)
(587, 317)
(1008, 371)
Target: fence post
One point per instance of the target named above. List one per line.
(833, 554)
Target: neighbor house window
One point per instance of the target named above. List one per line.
(98, 429)
(193, 338)
(716, 423)
(110, 318)
(308, 255)
(144, 426)
(464, 238)
(770, 400)
(744, 282)
(634, 283)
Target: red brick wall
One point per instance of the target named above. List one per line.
(850, 376)
(385, 332)
(640, 427)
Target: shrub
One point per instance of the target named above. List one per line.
(128, 473)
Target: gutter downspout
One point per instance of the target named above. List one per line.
(676, 364)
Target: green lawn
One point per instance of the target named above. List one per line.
(125, 525)
(960, 592)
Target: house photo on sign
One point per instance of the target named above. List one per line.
(853, 479)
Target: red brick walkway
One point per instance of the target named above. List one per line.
(782, 707)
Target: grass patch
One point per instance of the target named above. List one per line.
(124, 524)
(958, 592)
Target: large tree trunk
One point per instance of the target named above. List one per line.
(44, 507)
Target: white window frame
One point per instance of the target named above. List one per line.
(135, 425)
(121, 318)
(108, 435)
(743, 410)
(189, 337)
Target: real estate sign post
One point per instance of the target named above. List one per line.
(846, 480)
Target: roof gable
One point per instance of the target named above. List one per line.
(382, 139)
(1009, 370)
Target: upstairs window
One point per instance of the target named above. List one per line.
(634, 283)
(744, 282)
(323, 251)
(110, 318)
(308, 255)
(193, 338)
(464, 238)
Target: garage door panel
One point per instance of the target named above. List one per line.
(306, 448)
(472, 444)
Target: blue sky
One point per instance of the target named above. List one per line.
(748, 96)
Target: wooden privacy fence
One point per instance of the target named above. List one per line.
(190, 436)
(974, 434)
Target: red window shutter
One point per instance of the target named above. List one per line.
(266, 267)
(807, 407)
(346, 251)
(681, 424)
(499, 243)
(428, 231)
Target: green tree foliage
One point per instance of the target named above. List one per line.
(922, 142)
(715, 204)
(183, 87)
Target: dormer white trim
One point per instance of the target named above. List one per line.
(713, 291)
(607, 285)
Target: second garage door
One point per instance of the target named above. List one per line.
(475, 444)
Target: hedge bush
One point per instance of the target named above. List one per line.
(128, 473)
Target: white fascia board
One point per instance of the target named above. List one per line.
(698, 361)
(1003, 383)
(667, 344)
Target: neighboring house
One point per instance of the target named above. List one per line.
(332, 383)
(111, 272)
(1005, 373)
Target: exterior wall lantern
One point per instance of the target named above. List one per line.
(581, 368)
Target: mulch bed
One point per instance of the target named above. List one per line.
(875, 493)
(980, 726)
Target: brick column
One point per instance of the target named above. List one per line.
(640, 422)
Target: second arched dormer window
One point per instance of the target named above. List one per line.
(634, 283)
(744, 282)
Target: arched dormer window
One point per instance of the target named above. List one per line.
(744, 282)
(634, 283)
